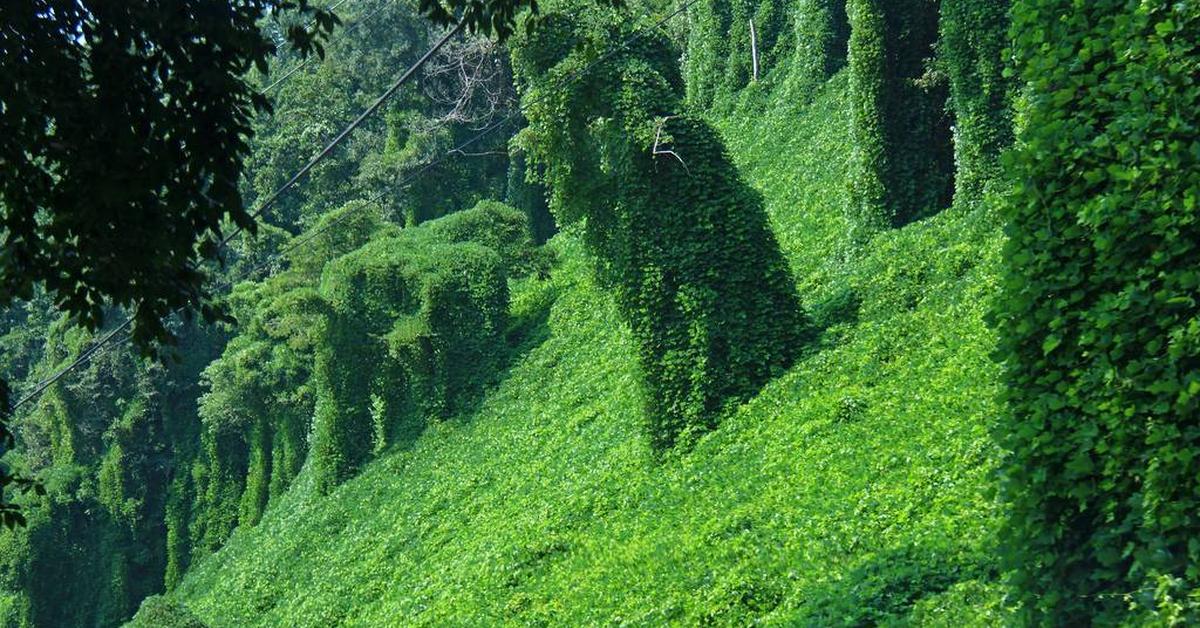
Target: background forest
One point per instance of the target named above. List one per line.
(787, 312)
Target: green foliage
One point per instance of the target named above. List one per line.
(544, 506)
(902, 149)
(105, 444)
(868, 72)
(159, 612)
(1098, 312)
(679, 236)
(421, 316)
(822, 40)
(525, 193)
(314, 104)
(335, 234)
(123, 139)
(256, 412)
(492, 224)
(719, 62)
(973, 39)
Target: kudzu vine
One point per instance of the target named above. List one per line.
(1099, 333)
(681, 239)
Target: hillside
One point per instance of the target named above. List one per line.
(855, 488)
(578, 312)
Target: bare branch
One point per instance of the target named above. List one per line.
(658, 138)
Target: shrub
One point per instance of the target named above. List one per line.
(1100, 336)
(336, 233)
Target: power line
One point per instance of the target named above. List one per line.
(325, 152)
(308, 237)
(303, 63)
(320, 156)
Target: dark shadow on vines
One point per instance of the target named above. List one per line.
(883, 589)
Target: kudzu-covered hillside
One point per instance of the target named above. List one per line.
(782, 312)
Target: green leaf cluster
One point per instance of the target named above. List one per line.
(1100, 337)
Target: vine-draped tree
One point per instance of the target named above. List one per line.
(1097, 318)
(682, 240)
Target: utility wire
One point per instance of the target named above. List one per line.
(303, 63)
(308, 237)
(325, 152)
(322, 155)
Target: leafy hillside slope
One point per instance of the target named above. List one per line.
(855, 488)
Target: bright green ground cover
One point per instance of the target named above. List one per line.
(854, 489)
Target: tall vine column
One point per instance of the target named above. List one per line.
(681, 240)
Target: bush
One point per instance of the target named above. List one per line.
(336, 233)
(1100, 336)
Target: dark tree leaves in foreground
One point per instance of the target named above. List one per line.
(123, 126)
(124, 129)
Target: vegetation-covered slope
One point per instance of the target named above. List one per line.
(862, 312)
(854, 488)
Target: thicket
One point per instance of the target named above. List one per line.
(257, 410)
(1100, 337)
(143, 475)
(103, 443)
(682, 240)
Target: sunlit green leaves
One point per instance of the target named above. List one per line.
(1097, 313)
